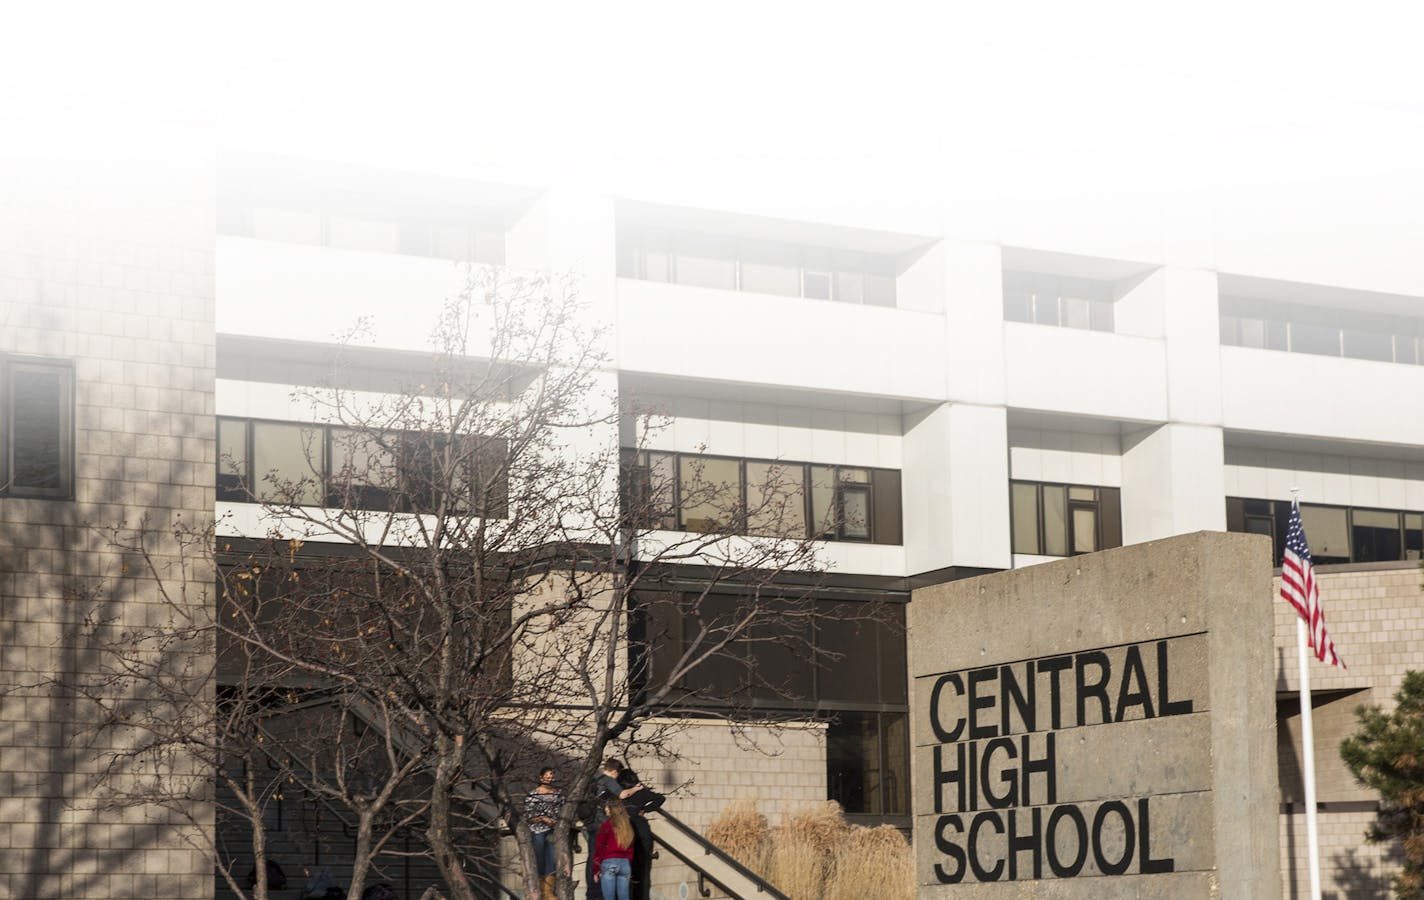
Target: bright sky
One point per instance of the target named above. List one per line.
(1206, 122)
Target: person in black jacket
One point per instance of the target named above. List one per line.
(639, 800)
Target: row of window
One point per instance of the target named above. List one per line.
(1058, 300)
(402, 471)
(1336, 534)
(764, 267)
(849, 669)
(1064, 519)
(1299, 328)
(36, 428)
(462, 243)
(766, 498)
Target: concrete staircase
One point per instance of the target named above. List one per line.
(709, 862)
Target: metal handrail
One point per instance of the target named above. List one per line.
(762, 885)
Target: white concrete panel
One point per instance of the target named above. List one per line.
(827, 435)
(782, 341)
(1300, 393)
(725, 429)
(760, 432)
(307, 293)
(956, 498)
(1085, 372)
(888, 442)
(865, 559)
(979, 495)
(728, 428)
(1193, 331)
(974, 322)
(925, 489)
(1138, 310)
(794, 433)
(1023, 560)
(568, 231)
(1172, 482)
(861, 437)
(1336, 480)
(1070, 457)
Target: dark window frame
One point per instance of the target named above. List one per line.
(244, 490)
(1108, 518)
(634, 244)
(637, 467)
(1031, 305)
(9, 365)
(1282, 326)
(881, 652)
(1237, 515)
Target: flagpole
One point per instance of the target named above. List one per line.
(1307, 752)
(1307, 755)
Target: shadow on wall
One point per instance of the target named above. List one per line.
(1361, 878)
(65, 596)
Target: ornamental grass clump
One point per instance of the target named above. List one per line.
(743, 833)
(874, 862)
(804, 850)
(815, 854)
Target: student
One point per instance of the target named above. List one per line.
(541, 811)
(613, 852)
(623, 783)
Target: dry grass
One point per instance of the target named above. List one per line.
(804, 850)
(815, 854)
(743, 833)
(875, 862)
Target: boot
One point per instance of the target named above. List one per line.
(546, 888)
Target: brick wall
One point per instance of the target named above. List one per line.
(106, 256)
(1375, 615)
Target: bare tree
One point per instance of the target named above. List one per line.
(472, 578)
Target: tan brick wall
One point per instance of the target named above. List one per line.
(106, 260)
(1375, 615)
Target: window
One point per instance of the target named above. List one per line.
(848, 669)
(763, 267)
(867, 756)
(767, 498)
(1058, 300)
(342, 468)
(36, 428)
(1324, 331)
(443, 240)
(1064, 519)
(1336, 534)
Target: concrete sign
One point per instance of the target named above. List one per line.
(1100, 726)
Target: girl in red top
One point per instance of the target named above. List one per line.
(613, 852)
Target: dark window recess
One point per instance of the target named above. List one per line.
(767, 498)
(400, 471)
(1064, 519)
(1324, 331)
(1336, 534)
(36, 428)
(853, 657)
(849, 670)
(1058, 300)
(763, 267)
(867, 756)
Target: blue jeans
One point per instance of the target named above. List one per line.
(544, 852)
(614, 879)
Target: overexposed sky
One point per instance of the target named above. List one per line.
(1193, 123)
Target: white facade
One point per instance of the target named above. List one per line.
(940, 386)
(1152, 400)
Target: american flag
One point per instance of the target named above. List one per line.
(1298, 587)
